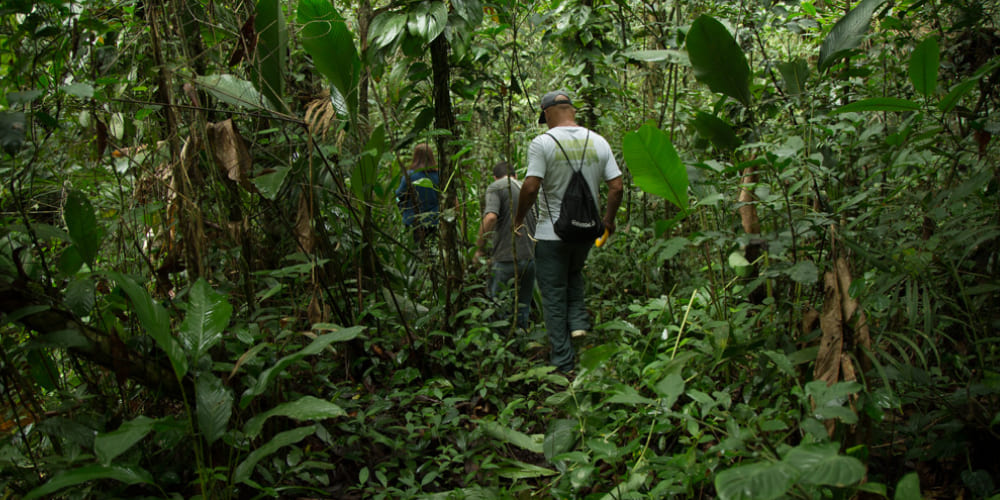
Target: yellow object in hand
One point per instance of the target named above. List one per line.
(600, 241)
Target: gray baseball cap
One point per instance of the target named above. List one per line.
(551, 99)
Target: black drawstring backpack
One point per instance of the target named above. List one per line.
(579, 219)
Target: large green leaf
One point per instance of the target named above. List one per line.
(794, 74)
(908, 488)
(207, 316)
(660, 55)
(305, 408)
(127, 475)
(532, 443)
(759, 481)
(327, 40)
(272, 46)
(427, 20)
(596, 356)
(155, 319)
(214, 406)
(245, 468)
(109, 445)
(718, 60)
(820, 464)
(878, 104)
(314, 347)
(234, 91)
(386, 28)
(669, 389)
(560, 437)
(924, 63)
(363, 175)
(12, 127)
(714, 129)
(82, 225)
(655, 165)
(847, 34)
(958, 91)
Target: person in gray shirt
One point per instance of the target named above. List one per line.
(513, 258)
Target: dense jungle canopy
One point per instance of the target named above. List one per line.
(207, 290)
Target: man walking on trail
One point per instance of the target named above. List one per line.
(513, 265)
(552, 159)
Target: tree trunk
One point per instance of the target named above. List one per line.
(444, 118)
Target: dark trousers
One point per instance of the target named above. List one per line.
(522, 274)
(559, 272)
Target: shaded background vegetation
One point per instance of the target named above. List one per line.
(207, 291)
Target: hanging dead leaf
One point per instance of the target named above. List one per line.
(809, 319)
(318, 311)
(320, 113)
(303, 225)
(852, 312)
(831, 322)
(231, 153)
(748, 211)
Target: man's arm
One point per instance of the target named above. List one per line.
(616, 190)
(529, 193)
(489, 222)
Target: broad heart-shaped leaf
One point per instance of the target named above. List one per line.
(386, 28)
(127, 475)
(560, 437)
(272, 46)
(12, 127)
(155, 319)
(847, 34)
(270, 184)
(878, 104)
(661, 55)
(669, 389)
(924, 63)
(305, 408)
(82, 225)
(232, 90)
(820, 464)
(363, 174)
(109, 445)
(245, 469)
(759, 481)
(718, 60)
(326, 38)
(207, 316)
(794, 74)
(655, 165)
(531, 443)
(596, 356)
(714, 129)
(908, 488)
(427, 20)
(314, 347)
(214, 406)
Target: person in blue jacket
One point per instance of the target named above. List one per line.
(417, 200)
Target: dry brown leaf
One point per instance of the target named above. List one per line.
(748, 211)
(851, 308)
(303, 225)
(319, 115)
(231, 153)
(317, 312)
(831, 344)
(809, 319)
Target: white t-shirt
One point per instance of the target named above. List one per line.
(546, 161)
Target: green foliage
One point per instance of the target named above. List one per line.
(325, 37)
(717, 59)
(847, 34)
(188, 320)
(655, 165)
